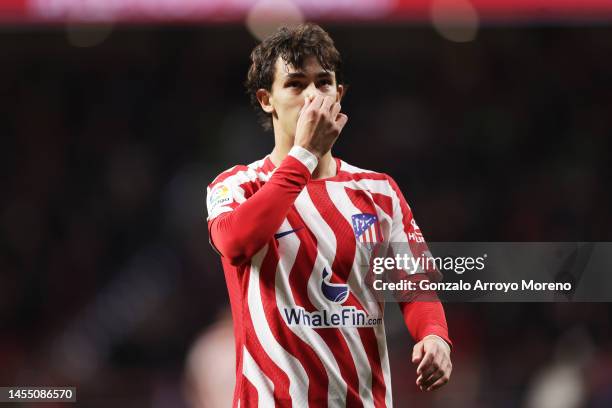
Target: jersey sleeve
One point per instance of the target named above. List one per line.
(227, 192)
(243, 215)
(424, 314)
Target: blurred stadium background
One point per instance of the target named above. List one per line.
(493, 116)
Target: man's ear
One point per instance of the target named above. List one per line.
(265, 100)
(340, 89)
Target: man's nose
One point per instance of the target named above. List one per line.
(312, 90)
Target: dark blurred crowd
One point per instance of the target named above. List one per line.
(106, 274)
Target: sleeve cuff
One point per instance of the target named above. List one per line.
(305, 157)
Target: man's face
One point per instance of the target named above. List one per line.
(290, 88)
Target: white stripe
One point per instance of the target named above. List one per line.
(373, 232)
(349, 168)
(298, 380)
(217, 212)
(369, 185)
(288, 246)
(265, 387)
(258, 163)
(326, 250)
(245, 176)
(253, 166)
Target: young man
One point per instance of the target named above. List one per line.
(288, 229)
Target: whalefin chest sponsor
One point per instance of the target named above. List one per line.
(346, 316)
(336, 315)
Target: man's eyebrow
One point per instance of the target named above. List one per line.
(300, 74)
(296, 75)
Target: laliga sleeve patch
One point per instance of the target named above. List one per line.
(220, 195)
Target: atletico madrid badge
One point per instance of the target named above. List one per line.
(367, 229)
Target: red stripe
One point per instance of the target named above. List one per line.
(317, 377)
(333, 338)
(384, 202)
(250, 397)
(267, 165)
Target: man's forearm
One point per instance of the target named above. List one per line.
(425, 318)
(239, 234)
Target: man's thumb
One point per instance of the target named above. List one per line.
(417, 352)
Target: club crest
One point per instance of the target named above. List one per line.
(367, 229)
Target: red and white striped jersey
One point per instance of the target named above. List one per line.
(305, 336)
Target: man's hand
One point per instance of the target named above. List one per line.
(432, 354)
(319, 124)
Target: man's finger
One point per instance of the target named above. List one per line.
(428, 380)
(439, 382)
(425, 363)
(335, 110)
(417, 353)
(341, 121)
(307, 102)
(428, 372)
(438, 378)
(327, 104)
(316, 102)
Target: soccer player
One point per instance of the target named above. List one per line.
(289, 229)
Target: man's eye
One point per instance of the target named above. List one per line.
(293, 84)
(325, 82)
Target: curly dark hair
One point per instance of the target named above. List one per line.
(294, 44)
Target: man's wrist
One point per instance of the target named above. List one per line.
(305, 157)
(438, 338)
